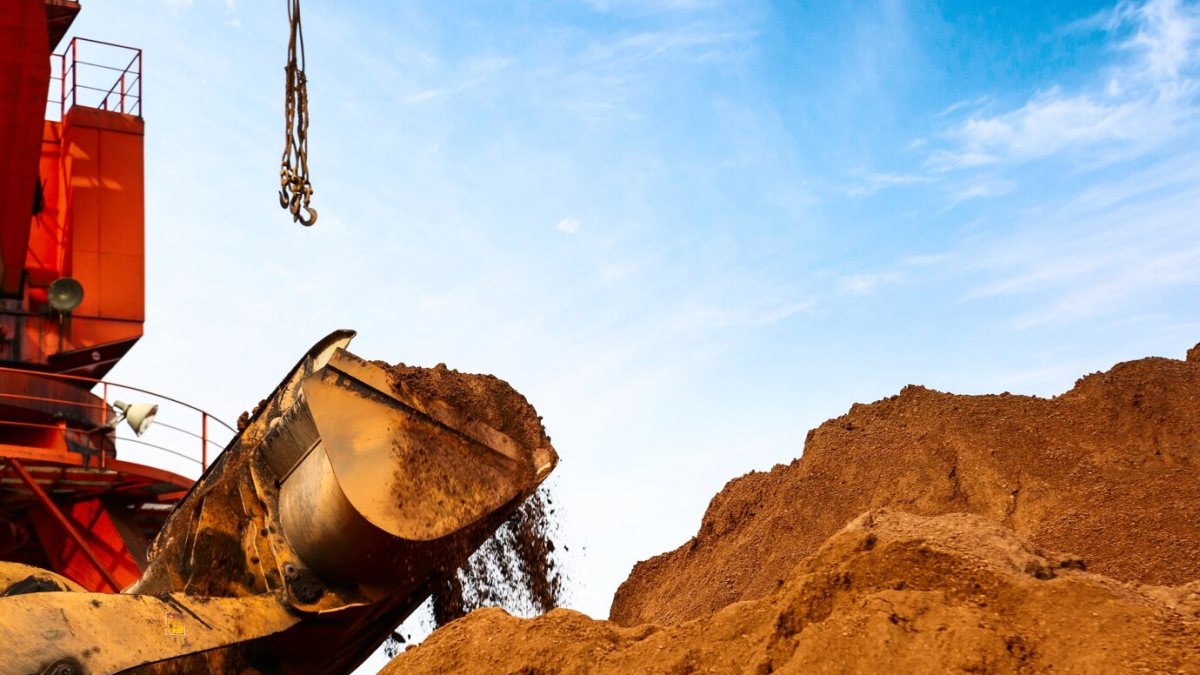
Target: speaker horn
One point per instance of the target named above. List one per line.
(65, 294)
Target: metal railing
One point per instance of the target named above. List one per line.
(170, 424)
(96, 74)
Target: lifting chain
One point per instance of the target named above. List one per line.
(295, 189)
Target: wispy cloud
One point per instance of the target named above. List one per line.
(1166, 32)
(707, 317)
(569, 225)
(1121, 243)
(858, 284)
(231, 18)
(476, 73)
(927, 259)
(1111, 249)
(874, 182)
(980, 189)
(602, 79)
(1141, 103)
(970, 103)
(644, 6)
(948, 160)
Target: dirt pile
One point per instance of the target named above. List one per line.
(1109, 471)
(921, 533)
(890, 592)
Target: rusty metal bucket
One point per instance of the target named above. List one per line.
(366, 467)
(321, 526)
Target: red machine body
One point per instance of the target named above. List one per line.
(72, 217)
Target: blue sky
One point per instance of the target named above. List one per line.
(688, 230)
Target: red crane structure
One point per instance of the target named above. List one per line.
(72, 304)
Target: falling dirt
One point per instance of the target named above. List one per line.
(517, 568)
(926, 532)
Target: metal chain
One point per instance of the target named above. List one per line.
(295, 189)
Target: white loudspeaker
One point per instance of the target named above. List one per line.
(139, 415)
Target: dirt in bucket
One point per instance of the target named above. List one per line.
(517, 568)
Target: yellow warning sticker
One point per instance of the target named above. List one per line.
(175, 624)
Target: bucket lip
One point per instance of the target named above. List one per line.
(377, 378)
(544, 458)
(355, 447)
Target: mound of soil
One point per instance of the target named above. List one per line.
(1109, 471)
(891, 592)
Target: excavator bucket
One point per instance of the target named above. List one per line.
(373, 462)
(325, 522)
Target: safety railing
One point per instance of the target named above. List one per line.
(95, 74)
(178, 429)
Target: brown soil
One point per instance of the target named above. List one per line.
(915, 535)
(891, 592)
(516, 568)
(1109, 471)
(487, 398)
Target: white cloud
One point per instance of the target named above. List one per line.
(858, 284)
(1109, 250)
(1053, 122)
(874, 182)
(945, 160)
(569, 225)
(964, 104)
(615, 271)
(989, 188)
(233, 20)
(772, 316)
(701, 317)
(927, 259)
(477, 72)
(644, 6)
(1166, 33)
(1139, 105)
(600, 80)
(1128, 240)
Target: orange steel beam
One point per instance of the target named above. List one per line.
(63, 522)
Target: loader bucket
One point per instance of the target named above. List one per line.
(346, 497)
(367, 467)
